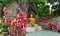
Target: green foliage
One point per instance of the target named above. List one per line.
(51, 1)
(1, 26)
(37, 1)
(55, 13)
(42, 9)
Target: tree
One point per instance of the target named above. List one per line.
(51, 1)
(42, 9)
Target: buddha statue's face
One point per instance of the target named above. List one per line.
(31, 15)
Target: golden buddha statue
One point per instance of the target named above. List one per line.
(31, 20)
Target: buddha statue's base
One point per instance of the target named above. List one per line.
(33, 28)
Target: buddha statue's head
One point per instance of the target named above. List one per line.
(31, 16)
